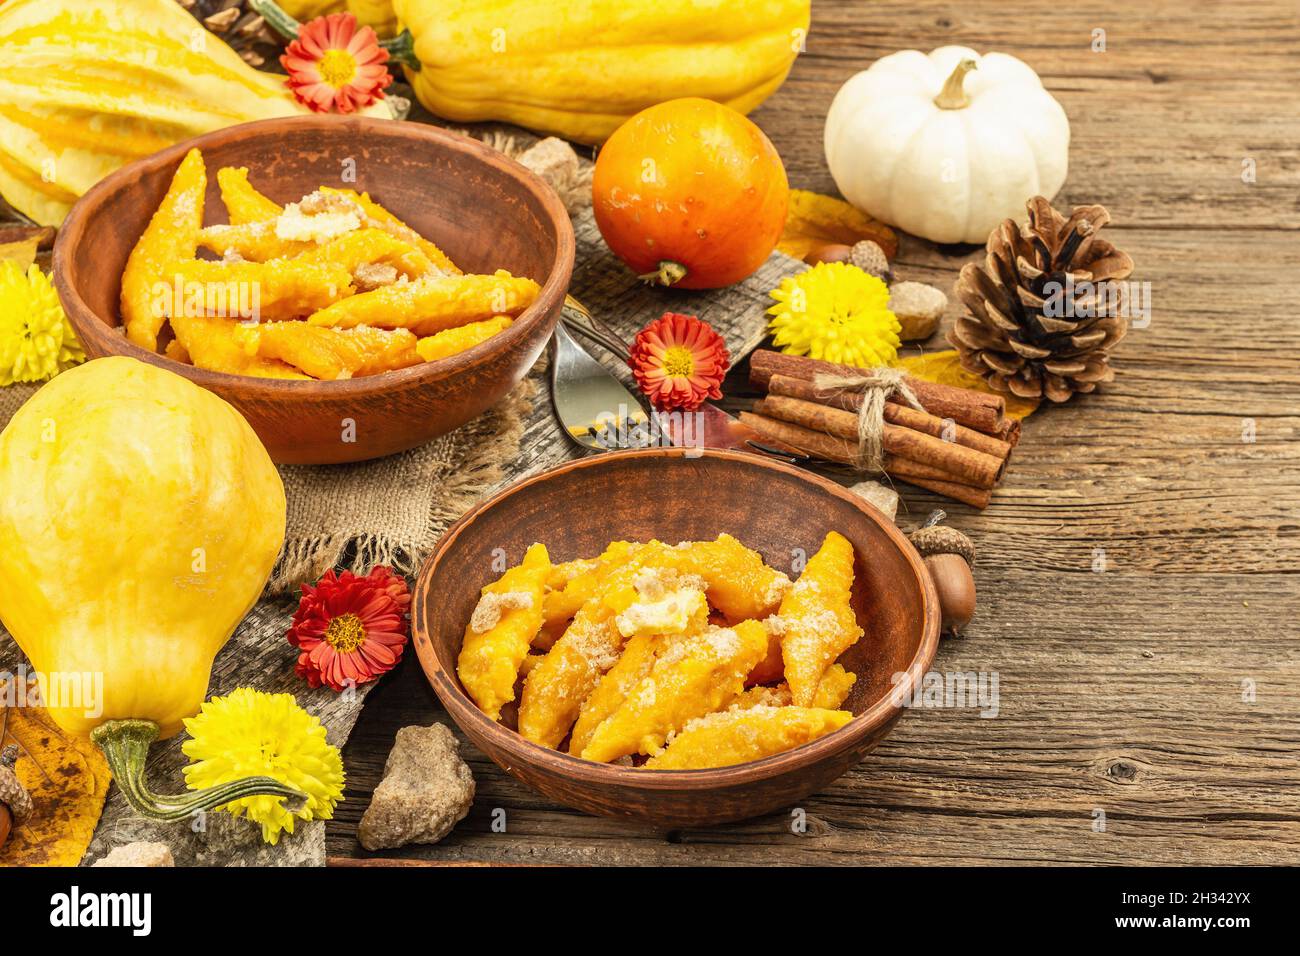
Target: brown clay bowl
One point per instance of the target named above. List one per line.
(577, 508)
(486, 211)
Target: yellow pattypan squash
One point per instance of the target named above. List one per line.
(140, 517)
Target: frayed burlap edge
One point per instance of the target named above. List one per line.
(488, 441)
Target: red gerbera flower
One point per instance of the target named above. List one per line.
(679, 361)
(350, 629)
(333, 65)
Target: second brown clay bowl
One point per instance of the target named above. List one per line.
(484, 210)
(781, 511)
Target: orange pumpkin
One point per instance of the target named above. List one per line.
(690, 193)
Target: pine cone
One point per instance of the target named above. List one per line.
(1026, 331)
(241, 27)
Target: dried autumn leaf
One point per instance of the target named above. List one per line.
(944, 367)
(21, 251)
(67, 778)
(814, 218)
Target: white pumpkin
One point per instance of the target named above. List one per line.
(946, 146)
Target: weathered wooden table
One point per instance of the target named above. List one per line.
(1138, 569)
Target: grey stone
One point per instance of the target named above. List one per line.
(427, 789)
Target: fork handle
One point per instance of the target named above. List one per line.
(579, 319)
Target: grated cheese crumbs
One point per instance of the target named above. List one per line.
(372, 275)
(777, 589)
(318, 217)
(493, 605)
(723, 642)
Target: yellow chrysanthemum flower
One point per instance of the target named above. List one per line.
(36, 341)
(250, 733)
(835, 312)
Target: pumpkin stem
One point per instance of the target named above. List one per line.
(276, 18)
(668, 273)
(401, 49)
(953, 95)
(126, 745)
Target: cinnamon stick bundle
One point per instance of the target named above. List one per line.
(895, 414)
(977, 410)
(961, 463)
(832, 448)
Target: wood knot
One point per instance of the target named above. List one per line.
(1122, 771)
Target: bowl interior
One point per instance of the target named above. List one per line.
(781, 512)
(453, 191)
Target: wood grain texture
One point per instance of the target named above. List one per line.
(1125, 690)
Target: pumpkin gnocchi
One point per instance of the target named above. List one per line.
(332, 286)
(675, 656)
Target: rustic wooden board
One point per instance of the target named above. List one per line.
(1123, 691)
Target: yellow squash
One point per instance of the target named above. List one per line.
(87, 86)
(139, 519)
(580, 69)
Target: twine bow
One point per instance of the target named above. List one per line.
(875, 385)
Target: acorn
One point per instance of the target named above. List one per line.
(948, 555)
(827, 252)
(15, 804)
(865, 254)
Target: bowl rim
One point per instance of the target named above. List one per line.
(112, 341)
(461, 709)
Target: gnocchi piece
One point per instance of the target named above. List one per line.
(430, 305)
(632, 667)
(740, 585)
(692, 678)
(501, 631)
(832, 690)
(267, 291)
(243, 203)
(450, 341)
(253, 241)
(210, 343)
(737, 736)
(817, 620)
(330, 354)
(366, 246)
(172, 233)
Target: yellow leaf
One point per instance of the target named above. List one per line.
(944, 368)
(66, 776)
(23, 251)
(814, 218)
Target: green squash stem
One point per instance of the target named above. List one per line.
(126, 745)
(276, 18)
(401, 48)
(668, 273)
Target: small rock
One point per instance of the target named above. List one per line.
(427, 789)
(555, 161)
(138, 854)
(882, 497)
(918, 307)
